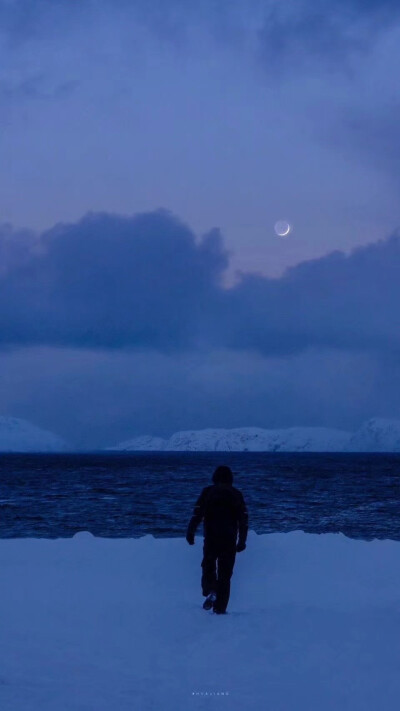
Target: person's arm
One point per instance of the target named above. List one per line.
(198, 515)
(243, 523)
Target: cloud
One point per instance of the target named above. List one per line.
(35, 87)
(17, 248)
(146, 282)
(339, 301)
(97, 398)
(110, 281)
(306, 33)
(372, 133)
(335, 28)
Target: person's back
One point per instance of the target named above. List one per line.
(222, 508)
(222, 504)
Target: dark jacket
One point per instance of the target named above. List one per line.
(224, 512)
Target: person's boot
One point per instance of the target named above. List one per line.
(218, 610)
(209, 601)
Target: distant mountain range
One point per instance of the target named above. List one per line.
(376, 435)
(20, 436)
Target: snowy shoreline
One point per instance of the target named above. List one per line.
(117, 624)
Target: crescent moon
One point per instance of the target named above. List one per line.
(282, 228)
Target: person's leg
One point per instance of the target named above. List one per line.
(226, 562)
(209, 566)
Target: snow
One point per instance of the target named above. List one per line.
(376, 435)
(143, 443)
(90, 623)
(20, 436)
(242, 439)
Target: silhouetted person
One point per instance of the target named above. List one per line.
(224, 511)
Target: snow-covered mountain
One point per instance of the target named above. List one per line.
(244, 439)
(255, 439)
(20, 436)
(376, 435)
(143, 443)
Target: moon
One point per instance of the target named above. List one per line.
(282, 228)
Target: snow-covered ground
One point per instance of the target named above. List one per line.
(91, 624)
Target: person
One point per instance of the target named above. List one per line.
(223, 510)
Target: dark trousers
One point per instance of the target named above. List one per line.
(222, 553)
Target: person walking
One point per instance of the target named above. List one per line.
(224, 512)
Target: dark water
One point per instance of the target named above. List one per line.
(130, 495)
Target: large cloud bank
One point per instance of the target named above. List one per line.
(146, 281)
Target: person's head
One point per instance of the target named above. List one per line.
(223, 475)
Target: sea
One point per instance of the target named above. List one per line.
(129, 495)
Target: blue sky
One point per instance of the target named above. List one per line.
(147, 150)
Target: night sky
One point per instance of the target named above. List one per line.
(147, 149)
